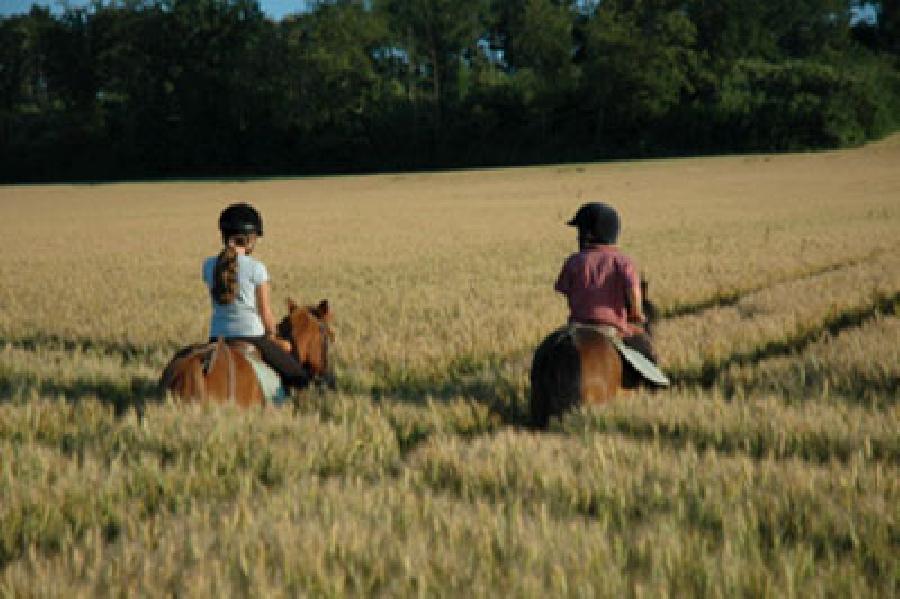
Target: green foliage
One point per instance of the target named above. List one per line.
(206, 87)
(802, 104)
(637, 68)
(437, 36)
(541, 40)
(335, 89)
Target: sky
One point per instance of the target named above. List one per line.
(273, 8)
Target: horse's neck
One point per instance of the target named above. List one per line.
(309, 342)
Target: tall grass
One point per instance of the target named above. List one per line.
(771, 467)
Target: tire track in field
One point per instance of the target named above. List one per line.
(871, 392)
(710, 373)
(724, 299)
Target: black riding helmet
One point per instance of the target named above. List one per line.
(597, 222)
(240, 218)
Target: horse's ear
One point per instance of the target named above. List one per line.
(322, 310)
(292, 305)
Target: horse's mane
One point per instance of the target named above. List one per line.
(283, 329)
(285, 326)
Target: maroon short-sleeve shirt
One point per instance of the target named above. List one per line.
(596, 283)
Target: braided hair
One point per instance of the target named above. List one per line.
(224, 288)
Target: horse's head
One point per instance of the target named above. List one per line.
(309, 331)
(649, 308)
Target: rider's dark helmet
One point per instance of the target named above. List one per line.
(597, 222)
(240, 218)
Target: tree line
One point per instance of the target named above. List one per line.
(170, 88)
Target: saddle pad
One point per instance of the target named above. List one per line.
(645, 367)
(272, 387)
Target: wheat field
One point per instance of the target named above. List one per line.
(771, 468)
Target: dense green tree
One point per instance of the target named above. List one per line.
(771, 30)
(14, 56)
(532, 43)
(143, 88)
(638, 61)
(888, 25)
(335, 88)
(437, 37)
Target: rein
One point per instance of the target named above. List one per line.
(323, 332)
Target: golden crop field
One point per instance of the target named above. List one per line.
(772, 467)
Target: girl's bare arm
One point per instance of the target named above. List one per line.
(635, 303)
(264, 308)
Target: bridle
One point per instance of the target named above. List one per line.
(325, 334)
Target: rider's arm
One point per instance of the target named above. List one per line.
(635, 313)
(265, 309)
(633, 292)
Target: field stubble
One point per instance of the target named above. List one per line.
(771, 467)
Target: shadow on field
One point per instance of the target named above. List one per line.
(128, 352)
(122, 396)
(497, 383)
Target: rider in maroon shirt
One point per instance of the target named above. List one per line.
(601, 283)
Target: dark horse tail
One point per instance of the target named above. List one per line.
(555, 377)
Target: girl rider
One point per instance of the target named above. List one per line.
(239, 290)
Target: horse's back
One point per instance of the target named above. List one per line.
(179, 377)
(573, 365)
(601, 365)
(217, 371)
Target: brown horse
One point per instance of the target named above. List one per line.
(579, 364)
(221, 371)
